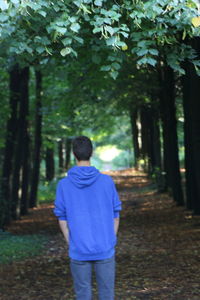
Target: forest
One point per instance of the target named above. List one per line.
(69, 67)
(125, 73)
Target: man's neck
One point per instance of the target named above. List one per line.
(83, 163)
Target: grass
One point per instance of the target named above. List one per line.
(18, 247)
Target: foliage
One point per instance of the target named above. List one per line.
(146, 30)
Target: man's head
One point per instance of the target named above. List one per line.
(82, 148)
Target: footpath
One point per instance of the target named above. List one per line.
(158, 252)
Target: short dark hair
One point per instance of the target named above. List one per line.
(82, 148)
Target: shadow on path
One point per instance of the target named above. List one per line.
(158, 252)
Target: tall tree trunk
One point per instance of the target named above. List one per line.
(21, 142)
(24, 201)
(5, 206)
(60, 154)
(134, 128)
(37, 141)
(191, 104)
(145, 151)
(156, 158)
(50, 165)
(170, 139)
(68, 146)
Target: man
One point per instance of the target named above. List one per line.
(87, 206)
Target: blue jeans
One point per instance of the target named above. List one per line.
(82, 277)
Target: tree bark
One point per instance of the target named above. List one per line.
(37, 140)
(134, 128)
(170, 139)
(50, 166)
(60, 154)
(191, 104)
(145, 138)
(21, 146)
(68, 146)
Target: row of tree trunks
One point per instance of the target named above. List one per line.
(16, 182)
(151, 116)
(64, 152)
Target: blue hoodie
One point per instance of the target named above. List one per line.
(88, 201)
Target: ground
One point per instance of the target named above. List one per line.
(158, 252)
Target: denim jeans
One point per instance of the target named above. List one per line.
(82, 278)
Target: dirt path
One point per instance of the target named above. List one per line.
(158, 252)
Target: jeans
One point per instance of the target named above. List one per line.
(82, 278)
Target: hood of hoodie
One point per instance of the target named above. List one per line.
(83, 176)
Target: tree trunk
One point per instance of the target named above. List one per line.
(21, 144)
(68, 146)
(191, 104)
(37, 141)
(50, 165)
(145, 138)
(156, 158)
(11, 131)
(170, 139)
(60, 155)
(134, 127)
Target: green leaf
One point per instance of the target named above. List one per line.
(98, 2)
(105, 68)
(125, 34)
(61, 30)
(67, 41)
(109, 29)
(151, 61)
(116, 66)
(3, 17)
(65, 51)
(75, 27)
(40, 49)
(142, 61)
(97, 29)
(111, 41)
(142, 52)
(43, 13)
(153, 51)
(114, 74)
(78, 39)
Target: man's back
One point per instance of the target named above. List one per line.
(89, 202)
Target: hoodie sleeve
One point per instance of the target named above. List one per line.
(59, 205)
(116, 201)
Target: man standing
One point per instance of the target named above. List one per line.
(87, 206)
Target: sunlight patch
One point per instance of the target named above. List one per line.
(107, 153)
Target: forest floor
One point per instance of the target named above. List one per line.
(158, 252)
